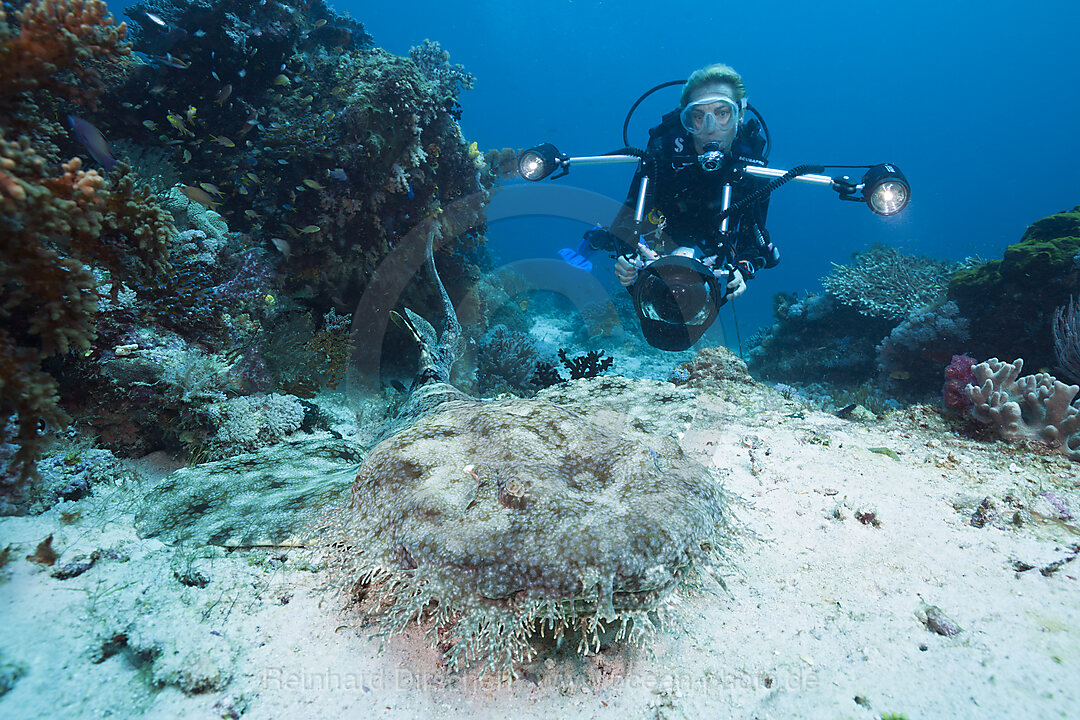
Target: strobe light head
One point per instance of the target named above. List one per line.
(539, 162)
(885, 189)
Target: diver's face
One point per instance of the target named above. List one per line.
(715, 134)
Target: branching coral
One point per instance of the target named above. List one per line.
(883, 283)
(55, 45)
(507, 357)
(47, 297)
(53, 50)
(1037, 407)
(434, 62)
(53, 229)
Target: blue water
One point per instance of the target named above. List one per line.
(976, 102)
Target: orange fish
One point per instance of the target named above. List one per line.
(199, 195)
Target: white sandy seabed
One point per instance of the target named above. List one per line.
(847, 550)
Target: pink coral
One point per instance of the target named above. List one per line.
(958, 375)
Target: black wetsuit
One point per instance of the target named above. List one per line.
(689, 199)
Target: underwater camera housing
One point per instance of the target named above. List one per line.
(676, 299)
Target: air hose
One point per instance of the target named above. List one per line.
(763, 191)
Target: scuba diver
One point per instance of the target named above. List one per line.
(685, 158)
(691, 232)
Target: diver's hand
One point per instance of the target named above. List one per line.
(625, 272)
(737, 285)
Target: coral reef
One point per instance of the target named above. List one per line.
(711, 368)
(884, 283)
(499, 522)
(53, 50)
(817, 339)
(1035, 407)
(61, 224)
(56, 228)
(281, 121)
(1011, 301)
(434, 62)
(917, 349)
(508, 358)
(249, 422)
(884, 321)
(310, 139)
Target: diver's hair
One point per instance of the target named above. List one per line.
(711, 74)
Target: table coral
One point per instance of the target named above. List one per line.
(509, 519)
(1037, 407)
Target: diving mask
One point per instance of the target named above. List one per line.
(712, 114)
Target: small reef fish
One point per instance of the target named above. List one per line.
(200, 196)
(186, 158)
(190, 114)
(173, 61)
(253, 178)
(211, 189)
(222, 140)
(149, 125)
(282, 246)
(155, 19)
(223, 95)
(282, 80)
(319, 23)
(177, 121)
(309, 229)
(337, 174)
(251, 214)
(313, 185)
(94, 142)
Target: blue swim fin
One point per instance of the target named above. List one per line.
(573, 257)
